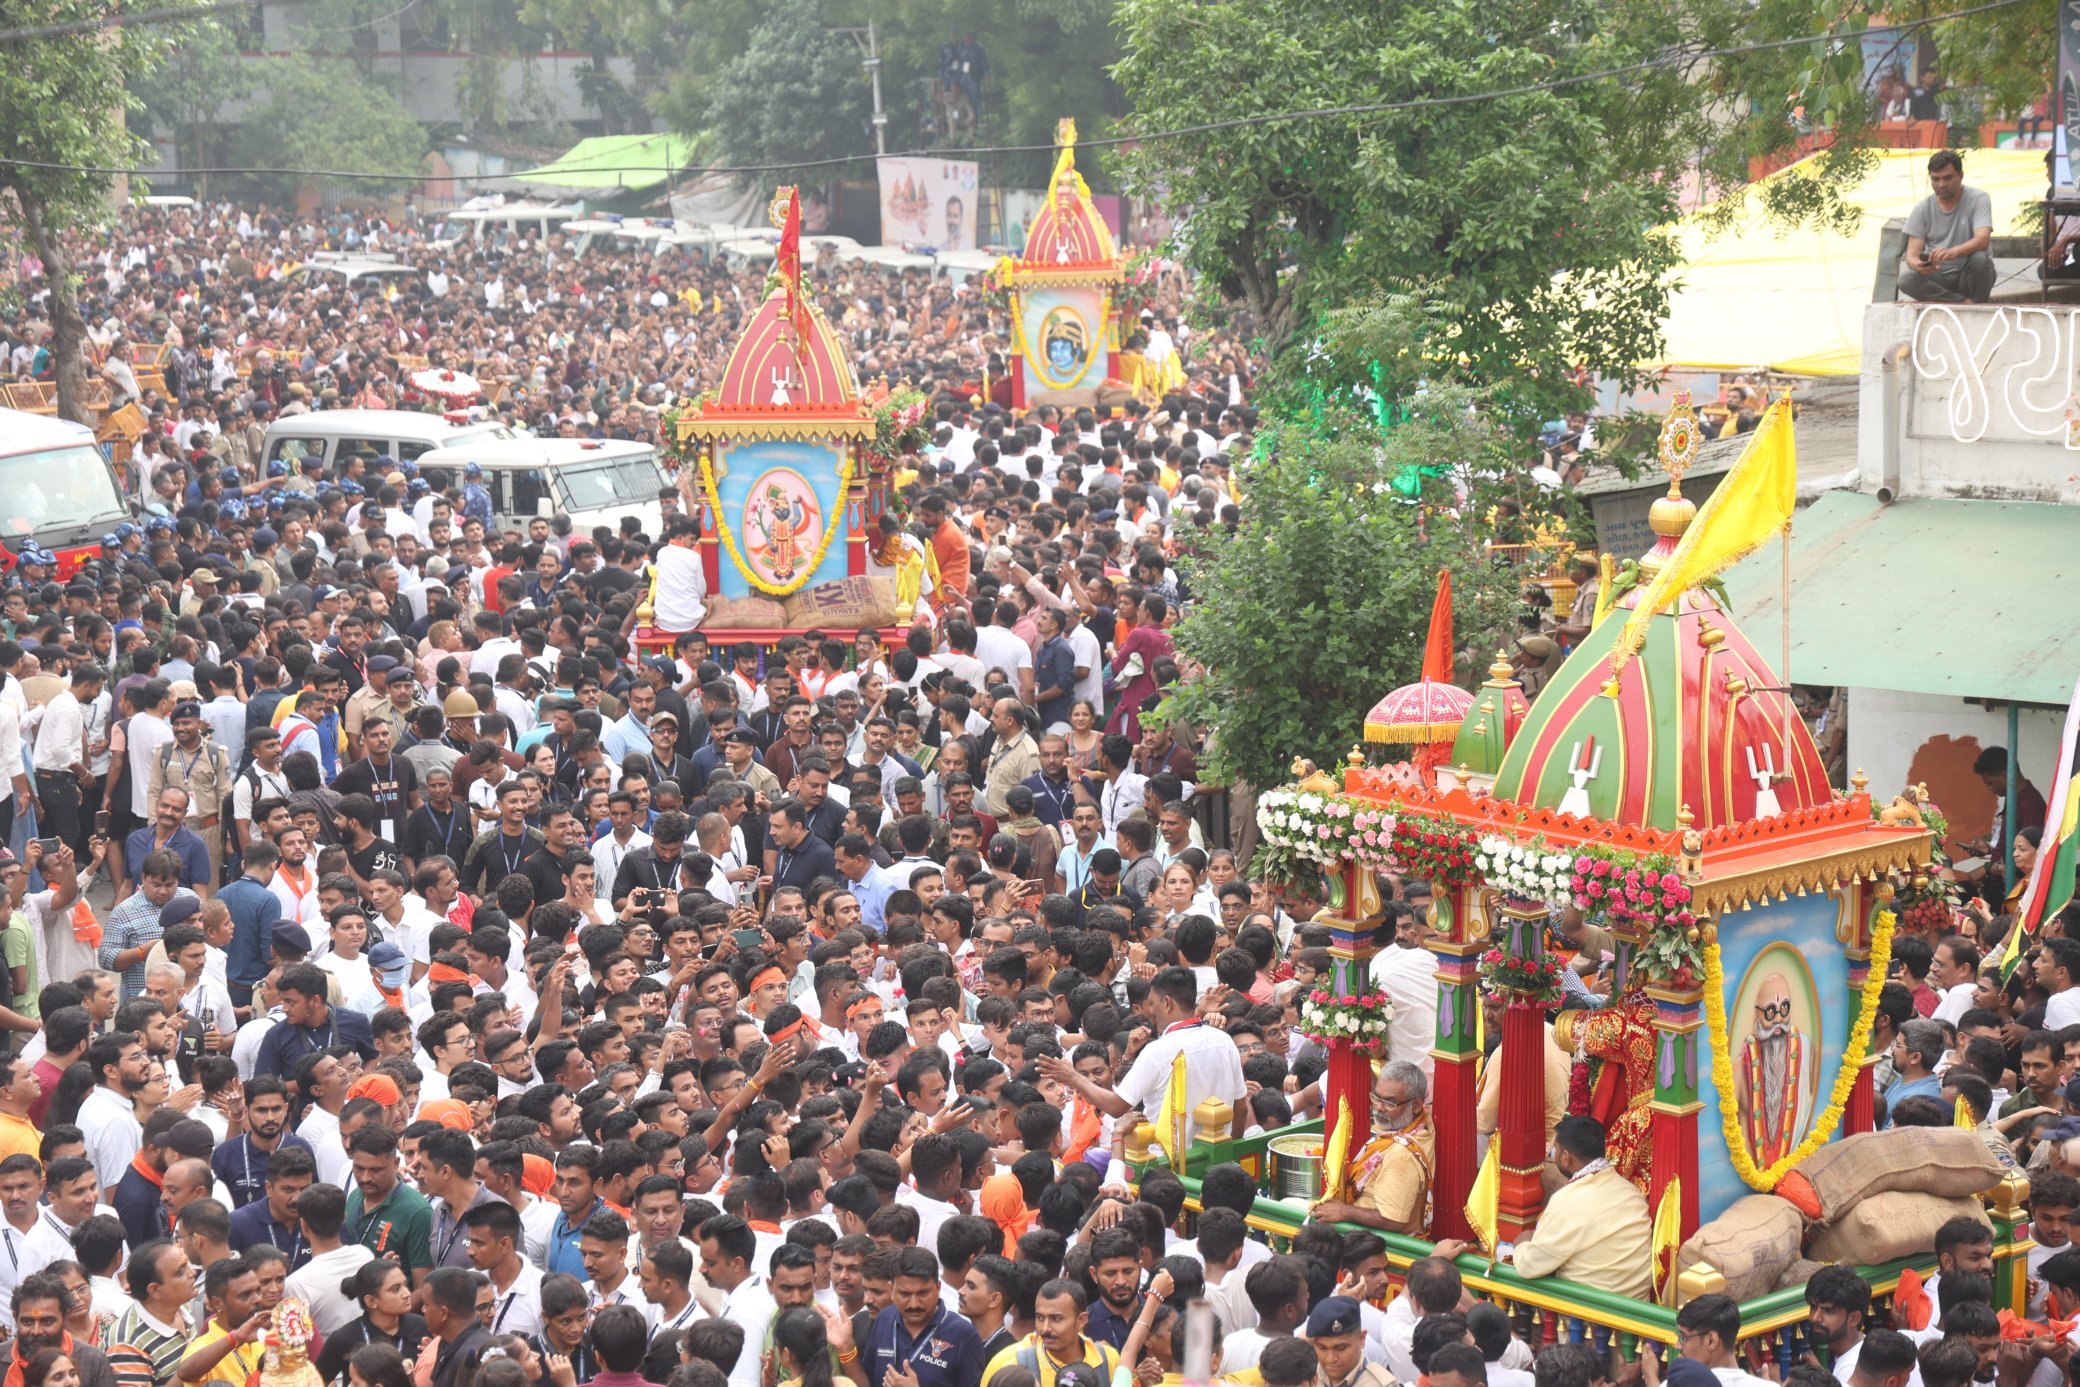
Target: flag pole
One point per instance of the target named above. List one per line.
(1790, 703)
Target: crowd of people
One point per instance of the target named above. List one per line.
(396, 940)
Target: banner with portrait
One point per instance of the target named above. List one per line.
(1788, 1023)
(929, 202)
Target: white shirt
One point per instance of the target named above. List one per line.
(114, 1134)
(682, 587)
(245, 1049)
(1957, 1000)
(61, 735)
(317, 1282)
(25, 1254)
(2062, 1010)
(1119, 799)
(1409, 978)
(751, 1308)
(999, 648)
(300, 907)
(1213, 1069)
(1843, 1366)
(321, 1129)
(520, 1304)
(147, 734)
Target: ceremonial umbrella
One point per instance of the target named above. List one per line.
(1429, 712)
(453, 385)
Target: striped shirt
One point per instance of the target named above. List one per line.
(164, 1345)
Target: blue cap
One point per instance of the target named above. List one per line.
(277, 468)
(418, 486)
(231, 508)
(292, 938)
(178, 909)
(111, 542)
(125, 530)
(1332, 1315)
(474, 469)
(158, 524)
(350, 487)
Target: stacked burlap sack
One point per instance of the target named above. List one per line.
(1869, 1198)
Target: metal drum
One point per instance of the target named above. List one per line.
(1296, 1166)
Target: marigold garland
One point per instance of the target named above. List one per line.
(1853, 1054)
(736, 555)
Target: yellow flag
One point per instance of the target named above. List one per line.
(1336, 1152)
(1668, 1236)
(1177, 1116)
(1484, 1200)
(1606, 579)
(1962, 1116)
(1752, 504)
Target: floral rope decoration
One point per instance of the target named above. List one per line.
(1325, 829)
(1529, 981)
(1853, 1055)
(1362, 1018)
(1437, 849)
(736, 555)
(1529, 871)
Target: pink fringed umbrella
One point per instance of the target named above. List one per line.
(1422, 712)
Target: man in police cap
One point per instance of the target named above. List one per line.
(1337, 1332)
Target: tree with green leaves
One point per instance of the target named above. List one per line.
(1321, 602)
(320, 113)
(63, 122)
(1527, 219)
(793, 96)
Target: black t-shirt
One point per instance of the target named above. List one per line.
(608, 582)
(380, 853)
(389, 786)
(549, 873)
(428, 834)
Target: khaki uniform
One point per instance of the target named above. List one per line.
(205, 773)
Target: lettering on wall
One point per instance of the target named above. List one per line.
(1999, 375)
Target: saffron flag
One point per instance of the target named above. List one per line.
(1484, 1200)
(1437, 650)
(1961, 1115)
(1753, 503)
(2050, 886)
(1667, 1237)
(1606, 580)
(1336, 1152)
(786, 213)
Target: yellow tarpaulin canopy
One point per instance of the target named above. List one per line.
(1758, 296)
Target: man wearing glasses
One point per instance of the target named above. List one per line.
(1391, 1175)
(1770, 1080)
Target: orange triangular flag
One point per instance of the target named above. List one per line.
(1437, 651)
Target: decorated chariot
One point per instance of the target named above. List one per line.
(1661, 789)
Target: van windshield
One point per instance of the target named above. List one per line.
(57, 491)
(589, 486)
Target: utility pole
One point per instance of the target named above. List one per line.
(871, 60)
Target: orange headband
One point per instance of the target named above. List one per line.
(853, 1006)
(537, 1174)
(768, 975)
(380, 1088)
(448, 972)
(449, 1112)
(785, 1031)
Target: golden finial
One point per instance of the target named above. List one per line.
(1502, 671)
(1612, 686)
(1684, 818)
(1858, 782)
(1065, 132)
(1355, 757)
(1709, 636)
(1678, 442)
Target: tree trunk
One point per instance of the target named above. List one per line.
(68, 328)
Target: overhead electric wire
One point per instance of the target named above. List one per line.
(1667, 60)
(120, 20)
